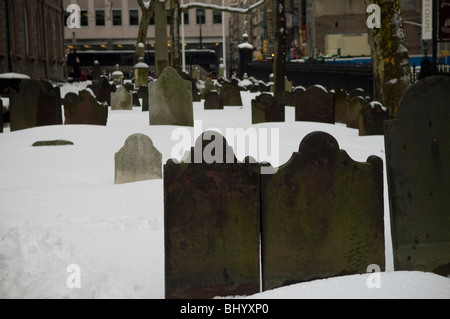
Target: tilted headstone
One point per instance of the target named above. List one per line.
(212, 227)
(213, 101)
(142, 93)
(418, 167)
(354, 107)
(170, 100)
(137, 160)
(102, 90)
(84, 109)
(36, 104)
(316, 104)
(371, 119)
(322, 215)
(122, 99)
(341, 104)
(230, 93)
(266, 109)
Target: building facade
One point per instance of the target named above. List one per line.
(32, 38)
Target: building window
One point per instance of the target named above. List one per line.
(168, 16)
(84, 21)
(117, 17)
(134, 17)
(186, 17)
(200, 14)
(100, 17)
(217, 17)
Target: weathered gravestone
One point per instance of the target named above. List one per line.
(102, 90)
(1, 116)
(137, 160)
(230, 93)
(322, 215)
(418, 167)
(316, 104)
(354, 107)
(341, 104)
(266, 109)
(170, 100)
(371, 119)
(142, 93)
(209, 86)
(84, 109)
(213, 101)
(122, 99)
(211, 223)
(36, 104)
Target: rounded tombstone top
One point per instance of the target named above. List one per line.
(319, 143)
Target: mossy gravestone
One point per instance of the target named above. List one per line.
(355, 105)
(170, 100)
(122, 99)
(230, 93)
(137, 160)
(211, 220)
(36, 104)
(316, 104)
(322, 215)
(84, 109)
(418, 167)
(266, 109)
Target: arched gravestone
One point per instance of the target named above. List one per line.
(212, 223)
(266, 109)
(121, 99)
(418, 167)
(371, 119)
(322, 215)
(316, 104)
(84, 109)
(36, 104)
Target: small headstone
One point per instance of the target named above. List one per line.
(142, 93)
(322, 215)
(52, 143)
(212, 228)
(266, 109)
(213, 101)
(230, 93)
(122, 99)
(371, 119)
(102, 90)
(137, 160)
(170, 100)
(316, 104)
(355, 105)
(84, 109)
(1, 116)
(417, 161)
(209, 86)
(341, 103)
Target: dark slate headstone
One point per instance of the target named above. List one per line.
(1, 116)
(231, 94)
(316, 104)
(371, 119)
(355, 105)
(143, 94)
(212, 227)
(102, 90)
(322, 215)
(266, 109)
(84, 109)
(418, 167)
(341, 104)
(213, 101)
(36, 104)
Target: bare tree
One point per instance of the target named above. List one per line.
(147, 8)
(279, 62)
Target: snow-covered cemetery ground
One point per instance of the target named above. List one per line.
(59, 206)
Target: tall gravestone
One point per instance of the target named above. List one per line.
(122, 99)
(316, 104)
(211, 220)
(266, 109)
(322, 215)
(170, 100)
(84, 109)
(341, 104)
(355, 105)
(137, 160)
(371, 119)
(36, 104)
(418, 167)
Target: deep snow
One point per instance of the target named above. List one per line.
(59, 206)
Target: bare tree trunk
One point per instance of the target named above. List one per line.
(390, 58)
(147, 14)
(279, 63)
(175, 38)
(161, 41)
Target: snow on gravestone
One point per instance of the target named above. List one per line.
(316, 104)
(322, 215)
(230, 93)
(36, 104)
(266, 109)
(371, 119)
(84, 109)
(418, 167)
(137, 160)
(211, 214)
(122, 99)
(170, 100)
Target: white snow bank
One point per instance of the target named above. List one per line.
(13, 76)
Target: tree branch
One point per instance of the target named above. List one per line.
(193, 5)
